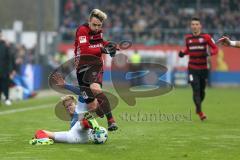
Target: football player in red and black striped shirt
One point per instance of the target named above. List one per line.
(197, 48)
(89, 48)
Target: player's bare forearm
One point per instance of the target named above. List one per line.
(229, 43)
(235, 44)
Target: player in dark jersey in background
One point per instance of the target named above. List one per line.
(196, 48)
(89, 47)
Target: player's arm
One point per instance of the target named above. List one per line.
(110, 48)
(60, 82)
(83, 43)
(235, 44)
(211, 43)
(183, 52)
(227, 42)
(105, 42)
(72, 88)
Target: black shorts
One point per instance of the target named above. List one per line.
(198, 79)
(86, 76)
(197, 75)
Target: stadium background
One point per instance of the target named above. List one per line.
(41, 33)
(45, 31)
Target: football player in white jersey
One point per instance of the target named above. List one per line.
(81, 126)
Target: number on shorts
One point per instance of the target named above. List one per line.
(84, 95)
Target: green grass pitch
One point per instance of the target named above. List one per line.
(161, 128)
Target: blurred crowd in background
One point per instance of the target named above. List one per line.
(147, 22)
(13, 57)
(152, 21)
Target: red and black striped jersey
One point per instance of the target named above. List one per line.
(88, 42)
(197, 47)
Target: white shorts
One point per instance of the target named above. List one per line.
(77, 134)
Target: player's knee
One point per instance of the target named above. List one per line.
(96, 88)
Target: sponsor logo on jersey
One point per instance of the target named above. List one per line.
(196, 47)
(96, 46)
(201, 40)
(82, 39)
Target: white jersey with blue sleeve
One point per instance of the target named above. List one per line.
(81, 108)
(77, 134)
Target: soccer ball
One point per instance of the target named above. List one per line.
(99, 136)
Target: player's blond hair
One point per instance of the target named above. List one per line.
(98, 14)
(67, 98)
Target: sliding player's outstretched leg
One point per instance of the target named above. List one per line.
(41, 138)
(89, 121)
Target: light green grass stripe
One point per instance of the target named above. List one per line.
(27, 109)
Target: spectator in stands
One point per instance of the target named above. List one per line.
(135, 67)
(133, 21)
(18, 53)
(6, 69)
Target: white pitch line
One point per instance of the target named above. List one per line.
(26, 109)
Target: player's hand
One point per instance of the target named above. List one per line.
(224, 41)
(58, 79)
(181, 54)
(110, 48)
